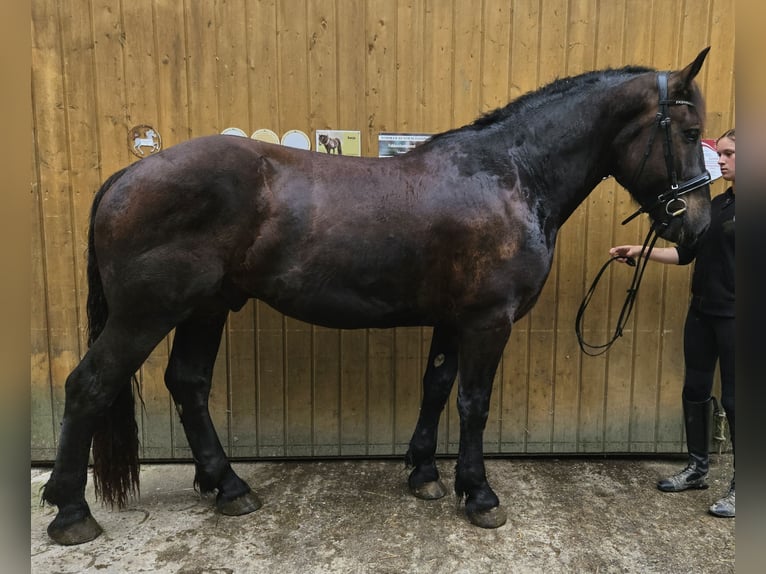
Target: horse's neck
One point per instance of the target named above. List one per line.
(565, 160)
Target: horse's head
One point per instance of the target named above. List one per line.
(658, 154)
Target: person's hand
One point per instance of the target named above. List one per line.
(626, 253)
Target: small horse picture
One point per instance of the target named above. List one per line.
(144, 136)
(331, 145)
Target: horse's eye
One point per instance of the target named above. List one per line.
(692, 135)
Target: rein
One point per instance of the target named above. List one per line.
(630, 298)
(675, 206)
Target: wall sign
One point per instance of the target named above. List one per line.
(710, 151)
(144, 140)
(265, 135)
(234, 132)
(338, 142)
(296, 139)
(391, 144)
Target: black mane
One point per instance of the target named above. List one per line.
(554, 90)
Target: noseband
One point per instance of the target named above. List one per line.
(675, 205)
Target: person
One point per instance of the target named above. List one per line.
(708, 332)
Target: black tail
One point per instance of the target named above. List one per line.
(115, 441)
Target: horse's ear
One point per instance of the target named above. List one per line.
(685, 76)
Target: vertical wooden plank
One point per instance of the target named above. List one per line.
(322, 64)
(600, 206)
(581, 48)
(353, 393)
(232, 109)
(172, 79)
(299, 415)
(58, 237)
(271, 383)
(109, 79)
(381, 116)
(554, 54)
(408, 375)
(525, 55)
(142, 108)
(263, 64)
(647, 314)
(410, 39)
(718, 82)
(466, 87)
(108, 72)
(380, 72)
(499, 44)
(84, 178)
(515, 391)
(198, 30)
(354, 360)
(409, 33)
(495, 73)
(467, 74)
(437, 100)
(42, 432)
(292, 42)
(381, 414)
(201, 68)
(234, 392)
(242, 372)
(326, 400)
(268, 337)
(505, 25)
(676, 281)
(324, 98)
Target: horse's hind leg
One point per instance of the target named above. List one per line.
(101, 380)
(188, 377)
(437, 383)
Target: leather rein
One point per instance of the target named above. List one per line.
(675, 206)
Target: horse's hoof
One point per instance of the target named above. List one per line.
(429, 490)
(83, 530)
(492, 518)
(245, 504)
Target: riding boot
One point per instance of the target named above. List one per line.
(698, 418)
(725, 506)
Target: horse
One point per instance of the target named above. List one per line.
(457, 235)
(331, 144)
(148, 141)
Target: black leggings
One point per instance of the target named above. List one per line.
(708, 339)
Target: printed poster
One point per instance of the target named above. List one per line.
(339, 142)
(391, 144)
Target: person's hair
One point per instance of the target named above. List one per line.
(727, 134)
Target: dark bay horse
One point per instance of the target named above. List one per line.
(458, 234)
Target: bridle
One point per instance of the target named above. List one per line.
(675, 206)
(662, 124)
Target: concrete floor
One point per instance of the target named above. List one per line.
(567, 515)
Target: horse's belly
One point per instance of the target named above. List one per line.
(345, 309)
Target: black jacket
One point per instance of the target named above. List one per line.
(713, 278)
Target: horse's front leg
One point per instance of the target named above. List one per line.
(480, 352)
(437, 383)
(188, 377)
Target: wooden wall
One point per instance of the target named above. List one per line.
(284, 388)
